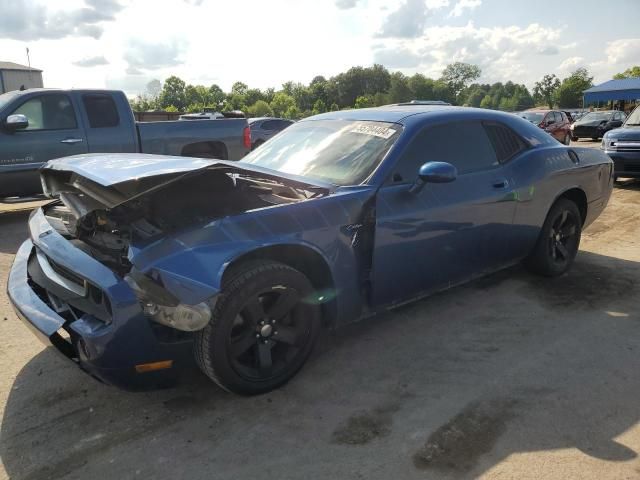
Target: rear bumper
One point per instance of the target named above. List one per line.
(109, 351)
(626, 164)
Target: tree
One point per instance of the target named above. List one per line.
(458, 75)
(292, 112)
(216, 95)
(399, 90)
(281, 103)
(631, 72)
(364, 101)
(319, 107)
(569, 94)
(487, 102)
(153, 88)
(422, 87)
(173, 94)
(239, 88)
(545, 90)
(260, 109)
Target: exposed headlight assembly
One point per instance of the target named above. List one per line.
(163, 307)
(609, 143)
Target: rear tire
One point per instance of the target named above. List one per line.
(558, 242)
(263, 328)
(567, 139)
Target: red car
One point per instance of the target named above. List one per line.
(554, 122)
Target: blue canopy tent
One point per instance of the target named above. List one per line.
(613, 90)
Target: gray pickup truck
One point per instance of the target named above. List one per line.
(38, 125)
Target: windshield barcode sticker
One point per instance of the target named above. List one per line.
(382, 132)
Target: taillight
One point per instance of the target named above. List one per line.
(246, 136)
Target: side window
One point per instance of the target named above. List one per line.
(465, 145)
(101, 111)
(505, 141)
(269, 125)
(48, 112)
(557, 117)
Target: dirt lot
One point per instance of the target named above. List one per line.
(512, 376)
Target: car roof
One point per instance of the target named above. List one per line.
(388, 113)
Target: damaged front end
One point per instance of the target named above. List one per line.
(109, 216)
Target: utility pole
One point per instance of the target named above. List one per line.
(29, 63)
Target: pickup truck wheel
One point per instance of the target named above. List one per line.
(558, 242)
(262, 330)
(575, 139)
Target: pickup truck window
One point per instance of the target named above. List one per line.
(48, 112)
(101, 110)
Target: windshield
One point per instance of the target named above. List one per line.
(6, 98)
(596, 116)
(338, 151)
(634, 118)
(534, 117)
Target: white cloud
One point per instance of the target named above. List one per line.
(624, 50)
(463, 5)
(571, 63)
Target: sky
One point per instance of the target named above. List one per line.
(123, 44)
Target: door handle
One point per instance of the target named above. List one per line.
(71, 141)
(501, 183)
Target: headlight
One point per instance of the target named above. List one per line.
(572, 126)
(182, 317)
(161, 306)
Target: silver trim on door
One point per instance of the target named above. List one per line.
(71, 140)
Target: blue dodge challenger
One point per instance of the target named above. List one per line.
(142, 264)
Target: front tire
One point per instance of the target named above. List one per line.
(262, 330)
(558, 242)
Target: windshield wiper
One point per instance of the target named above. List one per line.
(631, 124)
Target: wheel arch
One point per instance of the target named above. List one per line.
(215, 148)
(577, 196)
(303, 258)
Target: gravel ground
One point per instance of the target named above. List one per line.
(512, 376)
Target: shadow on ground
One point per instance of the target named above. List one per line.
(450, 385)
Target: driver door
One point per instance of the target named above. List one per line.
(446, 233)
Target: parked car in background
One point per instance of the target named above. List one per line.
(595, 124)
(263, 128)
(623, 146)
(554, 122)
(146, 262)
(37, 125)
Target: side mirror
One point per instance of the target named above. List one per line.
(434, 172)
(16, 122)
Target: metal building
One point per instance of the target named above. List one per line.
(15, 77)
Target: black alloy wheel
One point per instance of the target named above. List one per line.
(559, 240)
(262, 330)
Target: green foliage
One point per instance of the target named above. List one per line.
(364, 101)
(282, 103)
(458, 75)
(319, 107)
(173, 93)
(260, 109)
(631, 72)
(399, 90)
(544, 91)
(171, 108)
(569, 94)
(292, 113)
(358, 87)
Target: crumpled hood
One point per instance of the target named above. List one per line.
(113, 179)
(625, 133)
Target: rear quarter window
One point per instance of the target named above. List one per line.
(101, 111)
(505, 141)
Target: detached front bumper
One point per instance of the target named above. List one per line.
(111, 349)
